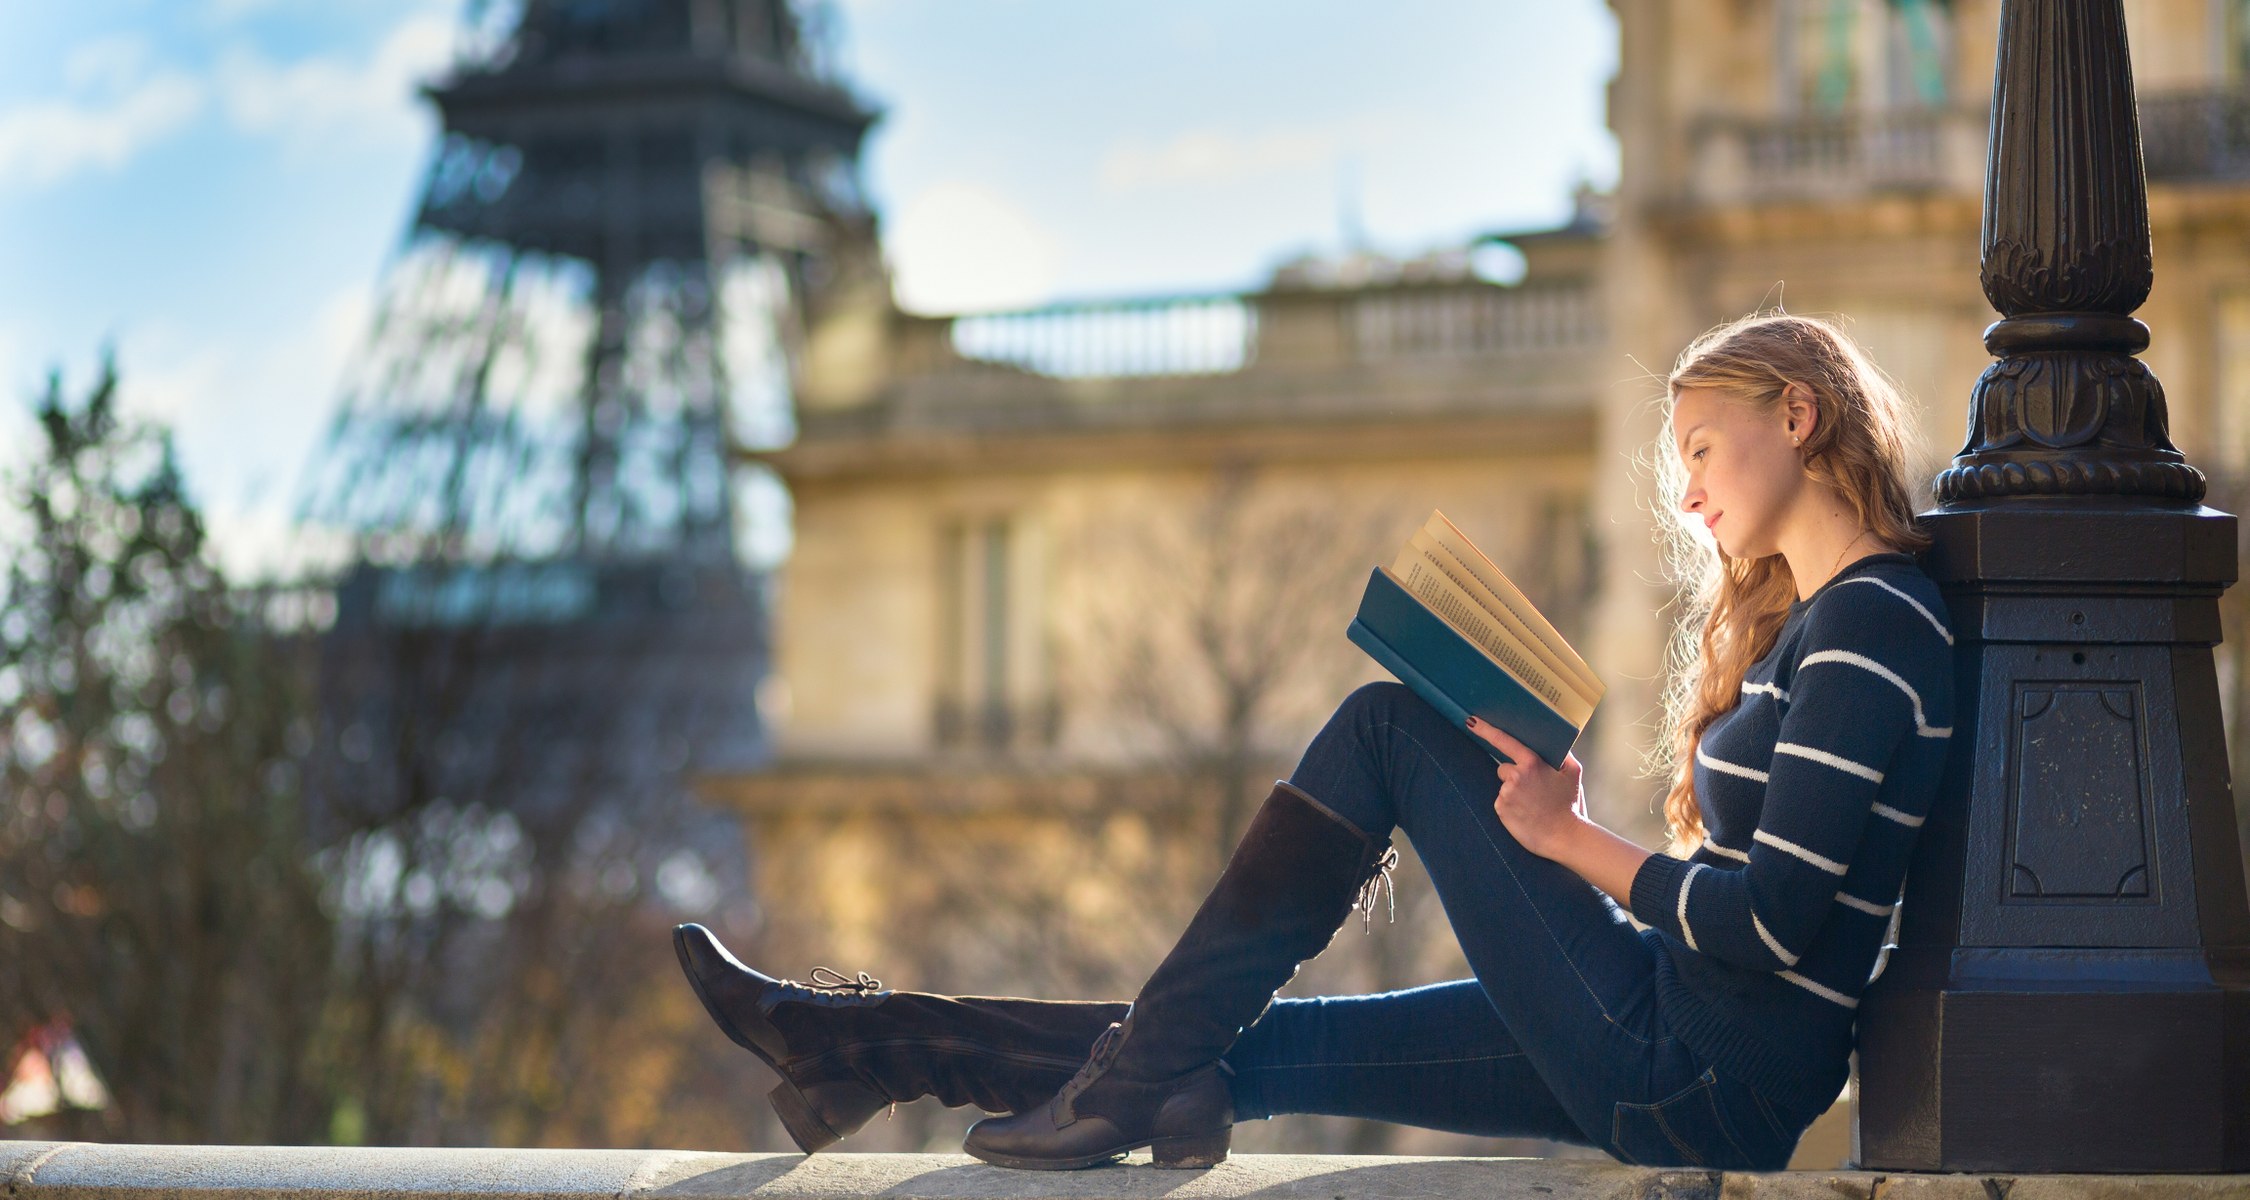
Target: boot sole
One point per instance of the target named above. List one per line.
(1190, 1151)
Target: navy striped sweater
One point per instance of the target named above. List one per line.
(1813, 789)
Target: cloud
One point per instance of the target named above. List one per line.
(18, 387)
(117, 101)
(102, 125)
(247, 410)
(960, 247)
(231, 12)
(1196, 33)
(254, 542)
(235, 10)
(1217, 156)
(176, 380)
(319, 97)
(110, 63)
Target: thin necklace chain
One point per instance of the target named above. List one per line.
(1841, 553)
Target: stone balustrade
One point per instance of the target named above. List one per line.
(1836, 157)
(85, 1171)
(2188, 136)
(1230, 334)
(2198, 136)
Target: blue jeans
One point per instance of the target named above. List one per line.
(1557, 1037)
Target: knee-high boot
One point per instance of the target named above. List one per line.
(1156, 1079)
(845, 1049)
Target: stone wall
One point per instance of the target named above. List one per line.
(81, 1171)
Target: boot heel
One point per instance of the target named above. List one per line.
(1192, 1150)
(811, 1134)
(823, 1115)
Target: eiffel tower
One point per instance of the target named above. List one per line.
(627, 195)
(547, 610)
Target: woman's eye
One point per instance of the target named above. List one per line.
(1698, 454)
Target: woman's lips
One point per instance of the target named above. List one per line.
(1711, 521)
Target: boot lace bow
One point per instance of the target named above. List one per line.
(1379, 881)
(824, 979)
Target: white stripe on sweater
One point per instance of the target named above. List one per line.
(1921, 725)
(1766, 689)
(1826, 759)
(1936, 624)
(1885, 810)
(1874, 910)
(1725, 767)
(1779, 951)
(1687, 881)
(1786, 846)
(1890, 942)
(1825, 993)
(1725, 851)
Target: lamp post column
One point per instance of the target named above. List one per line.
(2071, 990)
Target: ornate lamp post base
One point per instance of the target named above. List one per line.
(2057, 1061)
(2072, 988)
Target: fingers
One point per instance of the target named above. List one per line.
(1500, 737)
(1509, 773)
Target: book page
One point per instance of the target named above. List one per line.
(1464, 575)
(1424, 580)
(1511, 597)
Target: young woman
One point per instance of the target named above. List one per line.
(1808, 723)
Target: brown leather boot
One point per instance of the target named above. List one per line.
(846, 1049)
(1157, 1080)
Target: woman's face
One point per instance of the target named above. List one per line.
(1744, 475)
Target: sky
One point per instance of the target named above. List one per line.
(212, 189)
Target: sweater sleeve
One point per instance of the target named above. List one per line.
(1857, 697)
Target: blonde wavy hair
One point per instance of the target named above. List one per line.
(1733, 608)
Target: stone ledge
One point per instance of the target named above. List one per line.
(87, 1171)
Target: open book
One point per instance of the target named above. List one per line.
(1445, 620)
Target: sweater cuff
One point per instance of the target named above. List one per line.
(1656, 891)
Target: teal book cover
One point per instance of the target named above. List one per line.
(1449, 672)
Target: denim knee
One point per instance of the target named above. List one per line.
(1345, 767)
(1379, 736)
(1372, 704)
(1367, 715)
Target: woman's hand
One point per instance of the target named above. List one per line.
(1539, 804)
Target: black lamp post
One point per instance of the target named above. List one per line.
(2071, 991)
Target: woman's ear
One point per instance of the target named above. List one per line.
(1800, 413)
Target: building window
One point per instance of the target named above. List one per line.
(1919, 49)
(2231, 19)
(1566, 571)
(1814, 54)
(990, 687)
(2230, 443)
(1838, 56)
(2226, 461)
(992, 633)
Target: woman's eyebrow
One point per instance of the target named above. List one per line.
(1681, 443)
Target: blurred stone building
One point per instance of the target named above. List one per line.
(1069, 584)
